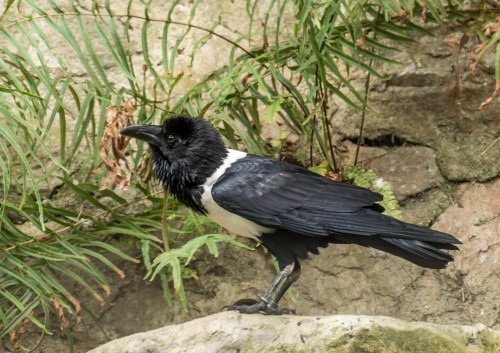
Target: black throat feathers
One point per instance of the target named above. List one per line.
(184, 178)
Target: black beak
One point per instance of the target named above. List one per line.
(149, 133)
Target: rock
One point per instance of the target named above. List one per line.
(469, 157)
(420, 104)
(233, 332)
(475, 220)
(423, 209)
(410, 170)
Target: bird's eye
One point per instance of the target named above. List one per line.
(170, 139)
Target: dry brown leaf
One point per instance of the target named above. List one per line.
(402, 15)
(60, 313)
(334, 176)
(120, 273)
(361, 42)
(99, 298)
(492, 27)
(488, 101)
(115, 143)
(424, 10)
(15, 336)
(472, 55)
(78, 307)
(107, 290)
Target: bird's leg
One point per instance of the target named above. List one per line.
(287, 271)
(266, 304)
(290, 279)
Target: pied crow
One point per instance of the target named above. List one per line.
(288, 209)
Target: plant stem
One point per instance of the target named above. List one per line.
(367, 85)
(165, 229)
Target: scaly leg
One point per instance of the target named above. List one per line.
(267, 304)
(290, 279)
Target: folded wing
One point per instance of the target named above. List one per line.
(289, 198)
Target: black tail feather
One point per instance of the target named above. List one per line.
(419, 245)
(421, 253)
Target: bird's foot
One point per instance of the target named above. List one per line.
(250, 306)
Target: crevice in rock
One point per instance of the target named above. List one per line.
(388, 140)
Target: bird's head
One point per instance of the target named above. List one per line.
(185, 149)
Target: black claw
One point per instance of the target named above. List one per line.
(241, 302)
(245, 301)
(258, 307)
(286, 311)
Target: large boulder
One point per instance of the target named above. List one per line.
(233, 332)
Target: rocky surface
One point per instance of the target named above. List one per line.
(422, 103)
(410, 170)
(233, 332)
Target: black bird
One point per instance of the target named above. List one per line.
(288, 209)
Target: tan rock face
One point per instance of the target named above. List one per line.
(417, 106)
(410, 170)
(475, 219)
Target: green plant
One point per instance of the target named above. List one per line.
(53, 117)
(73, 221)
(369, 180)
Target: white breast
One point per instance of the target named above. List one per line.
(232, 222)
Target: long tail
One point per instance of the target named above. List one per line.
(419, 245)
(423, 253)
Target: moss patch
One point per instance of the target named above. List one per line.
(388, 340)
(488, 343)
(462, 158)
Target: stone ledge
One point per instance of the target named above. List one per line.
(233, 332)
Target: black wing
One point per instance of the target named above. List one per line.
(284, 196)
